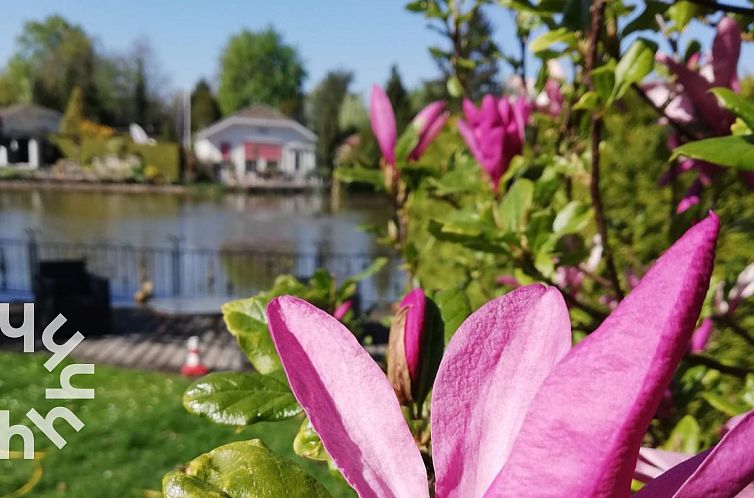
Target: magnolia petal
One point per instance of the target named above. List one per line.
(348, 400)
(429, 135)
(492, 368)
(701, 336)
(413, 337)
(698, 90)
(654, 461)
(383, 123)
(585, 426)
(722, 472)
(726, 49)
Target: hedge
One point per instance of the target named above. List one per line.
(165, 156)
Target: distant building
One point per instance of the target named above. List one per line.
(258, 145)
(24, 129)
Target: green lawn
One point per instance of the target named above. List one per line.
(136, 430)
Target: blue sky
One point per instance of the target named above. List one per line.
(365, 36)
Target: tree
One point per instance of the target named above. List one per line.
(324, 110)
(204, 109)
(260, 68)
(74, 113)
(57, 56)
(469, 59)
(399, 97)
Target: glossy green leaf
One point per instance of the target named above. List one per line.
(603, 79)
(244, 469)
(550, 38)
(741, 106)
(357, 174)
(408, 140)
(735, 151)
(719, 403)
(636, 63)
(454, 307)
(348, 288)
(588, 102)
(236, 398)
(573, 218)
(307, 443)
(516, 204)
(455, 88)
(246, 320)
(681, 13)
(685, 436)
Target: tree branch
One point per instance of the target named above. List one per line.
(731, 9)
(597, 12)
(697, 359)
(680, 127)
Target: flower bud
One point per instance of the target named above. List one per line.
(405, 346)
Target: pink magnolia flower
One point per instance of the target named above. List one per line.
(551, 100)
(495, 132)
(428, 122)
(515, 410)
(701, 336)
(416, 304)
(342, 310)
(383, 124)
(694, 103)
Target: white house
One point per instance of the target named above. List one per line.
(24, 129)
(256, 145)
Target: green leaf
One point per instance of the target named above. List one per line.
(246, 320)
(348, 288)
(573, 218)
(455, 88)
(588, 102)
(737, 104)
(307, 443)
(244, 469)
(681, 13)
(235, 398)
(603, 79)
(516, 204)
(357, 174)
(685, 436)
(735, 151)
(406, 143)
(454, 308)
(550, 38)
(636, 63)
(719, 403)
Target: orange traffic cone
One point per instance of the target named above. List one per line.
(193, 366)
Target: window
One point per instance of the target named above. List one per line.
(297, 161)
(251, 166)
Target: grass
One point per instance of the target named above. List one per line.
(135, 431)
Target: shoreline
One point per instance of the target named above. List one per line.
(141, 188)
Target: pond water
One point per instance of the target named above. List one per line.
(230, 244)
(287, 223)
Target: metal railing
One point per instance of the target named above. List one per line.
(178, 270)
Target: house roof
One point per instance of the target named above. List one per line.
(257, 115)
(28, 120)
(260, 111)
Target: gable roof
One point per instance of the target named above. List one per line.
(257, 115)
(28, 119)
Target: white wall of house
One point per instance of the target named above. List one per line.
(297, 147)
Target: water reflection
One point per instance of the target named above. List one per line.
(295, 223)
